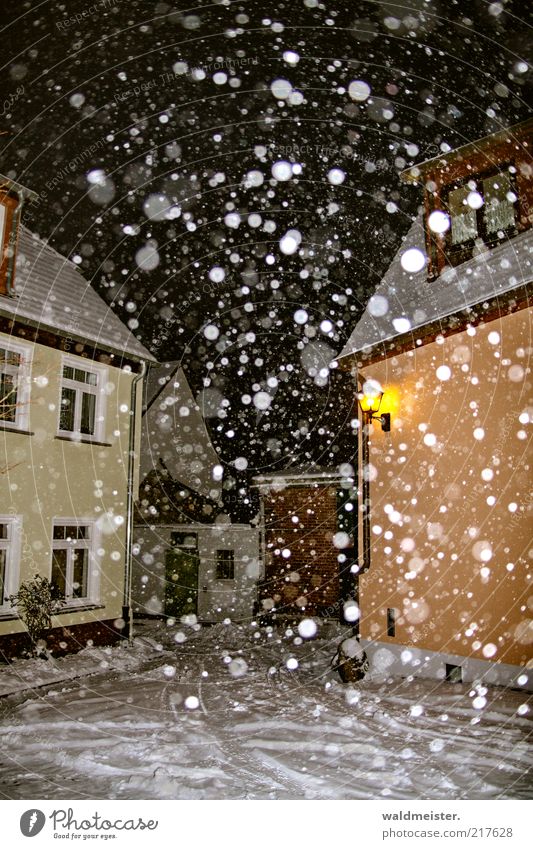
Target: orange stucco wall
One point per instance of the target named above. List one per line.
(451, 490)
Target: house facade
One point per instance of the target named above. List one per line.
(190, 560)
(445, 580)
(70, 405)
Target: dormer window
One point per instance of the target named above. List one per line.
(485, 208)
(477, 196)
(8, 238)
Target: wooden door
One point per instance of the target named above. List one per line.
(181, 577)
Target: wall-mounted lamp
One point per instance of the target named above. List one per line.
(370, 401)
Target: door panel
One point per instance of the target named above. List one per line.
(181, 582)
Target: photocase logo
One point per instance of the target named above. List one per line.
(32, 822)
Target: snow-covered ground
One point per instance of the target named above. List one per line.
(239, 712)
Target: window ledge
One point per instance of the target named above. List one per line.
(78, 608)
(6, 615)
(83, 441)
(8, 429)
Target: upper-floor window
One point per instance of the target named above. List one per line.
(82, 399)
(75, 569)
(485, 208)
(15, 361)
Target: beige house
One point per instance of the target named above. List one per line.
(70, 402)
(445, 536)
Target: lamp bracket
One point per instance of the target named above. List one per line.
(384, 420)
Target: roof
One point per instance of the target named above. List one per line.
(17, 188)
(174, 431)
(50, 293)
(404, 302)
(416, 173)
(305, 477)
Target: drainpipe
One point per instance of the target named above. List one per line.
(366, 420)
(127, 609)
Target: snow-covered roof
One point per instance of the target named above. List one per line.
(304, 477)
(50, 293)
(17, 188)
(174, 431)
(405, 301)
(485, 145)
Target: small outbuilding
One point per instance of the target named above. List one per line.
(189, 559)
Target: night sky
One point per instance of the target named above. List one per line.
(151, 130)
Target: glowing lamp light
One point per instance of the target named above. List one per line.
(370, 401)
(370, 397)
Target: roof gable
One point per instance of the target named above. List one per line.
(51, 293)
(175, 432)
(404, 301)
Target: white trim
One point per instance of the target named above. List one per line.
(3, 217)
(94, 567)
(12, 546)
(98, 391)
(22, 401)
(191, 526)
(386, 660)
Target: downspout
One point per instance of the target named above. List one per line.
(127, 609)
(365, 488)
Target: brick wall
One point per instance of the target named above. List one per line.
(301, 520)
(62, 641)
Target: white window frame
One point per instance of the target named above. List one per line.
(91, 545)
(98, 391)
(11, 546)
(23, 373)
(3, 217)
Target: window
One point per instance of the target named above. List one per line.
(74, 567)
(82, 400)
(499, 203)
(179, 539)
(9, 559)
(225, 565)
(463, 217)
(391, 622)
(14, 383)
(484, 208)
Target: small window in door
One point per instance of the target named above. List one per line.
(391, 622)
(225, 565)
(181, 539)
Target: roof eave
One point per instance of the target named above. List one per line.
(416, 173)
(18, 188)
(101, 345)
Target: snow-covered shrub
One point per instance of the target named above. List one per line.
(35, 603)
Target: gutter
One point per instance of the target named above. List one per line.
(127, 609)
(18, 317)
